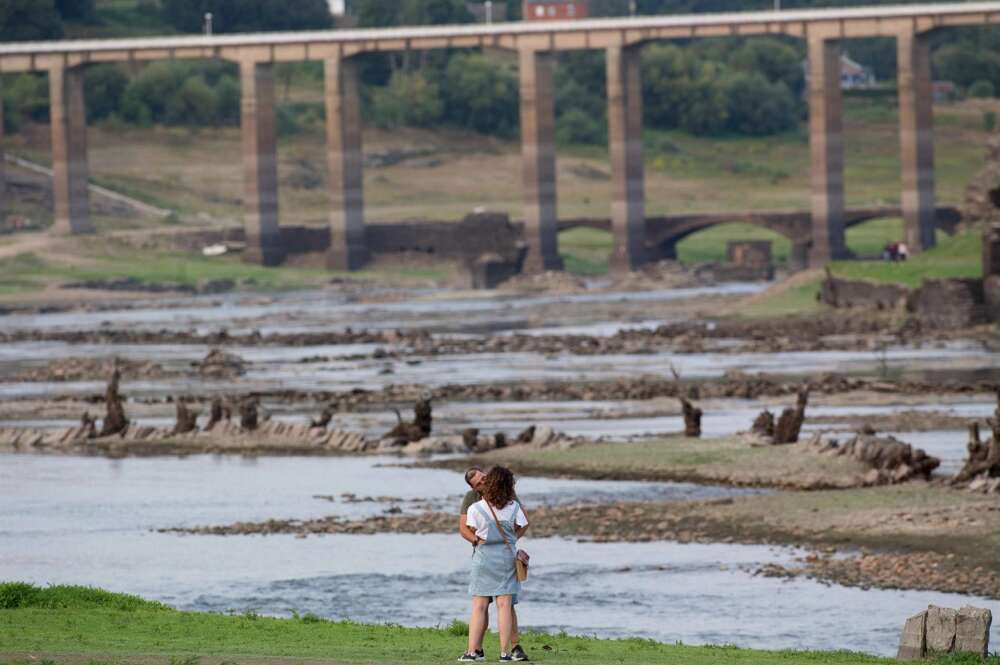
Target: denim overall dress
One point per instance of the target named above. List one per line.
(493, 572)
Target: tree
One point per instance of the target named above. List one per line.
(409, 100)
(248, 15)
(75, 10)
(105, 85)
(29, 20)
(756, 106)
(774, 59)
(481, 94)
(982, 89)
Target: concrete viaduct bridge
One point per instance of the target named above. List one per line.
(536, 43)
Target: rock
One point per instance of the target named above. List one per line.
(894, 460)
(436, 445)
(543, 436)
(972, 631)
(219, 364)
(941, 627)
(913, 642)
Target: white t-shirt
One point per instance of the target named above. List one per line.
(479, 516)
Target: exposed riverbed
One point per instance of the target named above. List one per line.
(93, 520)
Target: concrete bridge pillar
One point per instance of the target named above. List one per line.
(260, 164)
(348, 250)
(538, 161)
(826, 147)
(628, 205)
(916, 139)
(799, 257)
(68, 121)
(3, 160)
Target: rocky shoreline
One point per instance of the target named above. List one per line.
(857, 332)
(850, 562)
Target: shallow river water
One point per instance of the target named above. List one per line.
(90, 520)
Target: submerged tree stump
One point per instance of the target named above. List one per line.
(249, 417)
(790, 423)
(218, 412)
(764, 424)
(115, 421)
(692, 419)
(983, 458)
(187, 420)
(411, 432)
(324, 418)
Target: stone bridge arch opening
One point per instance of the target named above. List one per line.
(708, 243)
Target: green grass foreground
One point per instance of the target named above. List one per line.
(65, 623)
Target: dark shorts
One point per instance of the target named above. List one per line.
(491, 600)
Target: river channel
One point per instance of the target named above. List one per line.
(88, 520)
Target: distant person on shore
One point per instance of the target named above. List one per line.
(902, 251)
(493, 572)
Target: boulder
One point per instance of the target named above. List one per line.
(219, 364)
(894, 460)
(972, 631)
(913, 641)
(941, 627)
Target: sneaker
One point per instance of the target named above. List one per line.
(473, 657)
(504, 657)
(517, 653)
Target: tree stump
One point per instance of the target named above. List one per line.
(692, 419)
(187, 420)
(764, 424)
(249, 418)
(411, 432)
(218, 412)
(115, 421)
(790, 423)
(324, 418)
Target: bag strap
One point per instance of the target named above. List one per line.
(500, 529)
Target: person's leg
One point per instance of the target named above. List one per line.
(477, 622)
(485, 623)
(515, 638)
(505, 620)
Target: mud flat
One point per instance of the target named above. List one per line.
(730, 461)
(913, 536)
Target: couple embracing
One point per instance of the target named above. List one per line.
(492, 520)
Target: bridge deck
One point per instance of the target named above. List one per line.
(560, 35)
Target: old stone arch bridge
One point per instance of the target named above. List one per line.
(662, 233)
(824, 31)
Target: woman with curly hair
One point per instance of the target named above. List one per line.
(498, 521)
